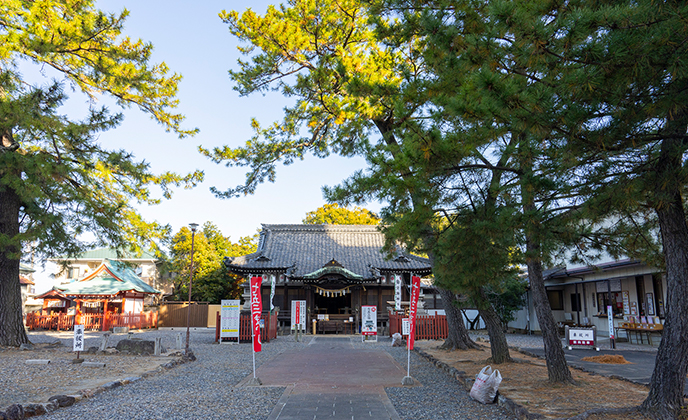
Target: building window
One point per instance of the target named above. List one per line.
(575, 302)
(556, 300)
(73, 272)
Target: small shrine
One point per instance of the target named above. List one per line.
(112, 287)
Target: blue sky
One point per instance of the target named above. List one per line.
(193, 41)
(196, 43)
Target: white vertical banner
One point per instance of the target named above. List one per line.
(78, 338)
(229, 318)
(610, 318)
(272, 291)
(397, 292)
(298, 314)
(369, 320)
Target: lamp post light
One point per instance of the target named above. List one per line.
(193, 227)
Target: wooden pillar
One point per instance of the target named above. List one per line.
(105, 315)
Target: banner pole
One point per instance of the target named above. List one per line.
(408, 366)
(254, 356)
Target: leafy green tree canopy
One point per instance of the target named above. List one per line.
(211, 280)
(332, 214)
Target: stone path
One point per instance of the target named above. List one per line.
(329, 379)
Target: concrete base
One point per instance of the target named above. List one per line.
(407, 380)
(37, 362)
(254, 382)
(93, 364)
(77, 361)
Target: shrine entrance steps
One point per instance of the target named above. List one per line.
(330, 379)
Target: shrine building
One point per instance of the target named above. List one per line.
(335, 268)
(111, 287)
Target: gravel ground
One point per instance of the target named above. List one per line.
(206, 388)
(201, 389)
(440, 397)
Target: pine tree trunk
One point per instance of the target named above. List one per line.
(498, 344)
(457, 338)
(557, 368)
(671, 365)
(12, 332)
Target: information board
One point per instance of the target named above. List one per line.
(78, 338)
(581, 337)
(298, 314)
(369, 320)
(405, 326)
(229, 318)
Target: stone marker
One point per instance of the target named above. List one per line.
(179, 341)
(103, 343)
(93, 364)
(37, 362)
(158, 346)
(137, 346)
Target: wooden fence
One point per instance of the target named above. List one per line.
(269, 332)
(174, 314)
(63, 322)
(428, 327)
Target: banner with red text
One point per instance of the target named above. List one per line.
(256, 310)
(415, 292)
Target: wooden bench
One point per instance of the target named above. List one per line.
(330, 326)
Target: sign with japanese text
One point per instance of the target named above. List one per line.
(369, 320)
(272, 292)
(610, 318)
(415, 292)
(397, 292)
(229, 318)
(580, 337)
(78, 338)
(405, 326)
(256, 310)
(298, 314)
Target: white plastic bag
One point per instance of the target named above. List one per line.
(485, 387)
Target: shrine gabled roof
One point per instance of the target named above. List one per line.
(110, 278)
(301, 250)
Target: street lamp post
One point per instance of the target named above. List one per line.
(188, 307)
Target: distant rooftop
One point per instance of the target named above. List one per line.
(111, 254)
(25, 268)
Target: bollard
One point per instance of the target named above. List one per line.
(158, 346)
(103, 343)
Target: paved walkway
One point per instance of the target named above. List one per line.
(330, 379)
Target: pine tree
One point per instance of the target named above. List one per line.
(56, 181)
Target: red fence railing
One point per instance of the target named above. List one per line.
(63, 322)
(428, 327)
(269, 332)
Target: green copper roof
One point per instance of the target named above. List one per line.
(25, 268)
(110, 278)
(111, 254)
